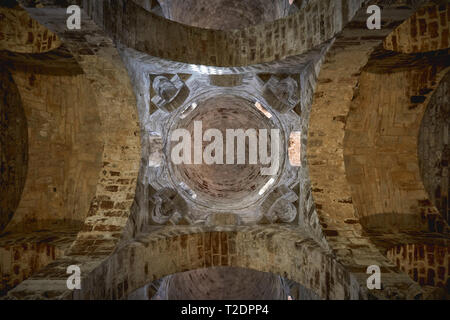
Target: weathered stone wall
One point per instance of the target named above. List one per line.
(380, 145)
(224, 14)
(20, 33)
(65, 148)
(222, 283)
(427, 264)
(22, 254)
(308, 217)
(114, 101)
(13, 148)
(426, 30)
(272, 249)
(137, 28)
(277, 249)
(434, 148)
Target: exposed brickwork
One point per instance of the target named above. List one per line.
(128, 22)
(330, 214)
(280, 250)
(337, 86)
(109, 210)
(335, 90)
(22, 254)
(427, 264)
(434, 148)
(233, 14)
(427, 30)
(218, 186)
(20, 33)
(113, 97)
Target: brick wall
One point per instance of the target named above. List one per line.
(139, 29)
(427, 30)
(427, 264)
(280, 250)
(224, 14)
(23, 254)
(337, 88)
(115, 102)
(222, 283)
(20, 33)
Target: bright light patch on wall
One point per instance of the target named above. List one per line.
(188, 190)
(191, 108)
(263, 110)
(266, 186)
(206, 70)
(295, 145)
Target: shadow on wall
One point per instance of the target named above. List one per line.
(434, 148)
(384, 223)
(427, 264)
(223, 283)
(13, 148)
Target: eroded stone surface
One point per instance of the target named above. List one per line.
(21, 33)
(426, 30)
(359, 193)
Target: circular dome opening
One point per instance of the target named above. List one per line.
(234, 182)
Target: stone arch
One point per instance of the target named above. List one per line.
(381, 143)
(427, 30)
(62, 169)
(434, 148)
(116, 102)
(328, 117)
(384, 140)
(108, 207)
(283, 251)
(128, 23)
(21, 33)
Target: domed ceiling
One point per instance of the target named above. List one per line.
(224, 14)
